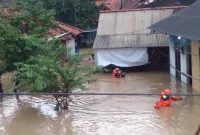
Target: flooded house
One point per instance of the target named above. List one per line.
(69, 35)
(184, 30)
(87, 38)
(124, 40)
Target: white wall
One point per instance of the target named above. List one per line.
(172, 56)
(184, 68)
(71, 44)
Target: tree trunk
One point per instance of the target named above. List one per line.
(16, 83)
(62, 101)
(1, 91)
(1, 88)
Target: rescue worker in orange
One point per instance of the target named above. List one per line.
(166, 99)
(116, 73)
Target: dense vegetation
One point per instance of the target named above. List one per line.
(34, 59)
(79, 13)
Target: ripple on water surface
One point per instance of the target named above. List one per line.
(105, 115)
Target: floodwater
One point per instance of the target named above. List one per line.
(106, 115)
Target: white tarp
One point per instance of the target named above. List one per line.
(123, 57)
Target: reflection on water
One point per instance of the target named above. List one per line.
(105, 115)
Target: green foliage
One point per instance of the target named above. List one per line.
(45, 73)
(79, 13)
(16, 46)
(36, 60)
(37, 19)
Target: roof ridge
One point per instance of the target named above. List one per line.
(69, 26)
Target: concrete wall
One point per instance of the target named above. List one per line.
(195, 45)
(184, 61)
(71, 44)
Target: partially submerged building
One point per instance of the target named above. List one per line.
(69, 35)
(123, 38)
(184, 30)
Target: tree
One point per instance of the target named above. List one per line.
(35, 60)
(33, 17)
(79, 13)
(46, 74)
(17, 45)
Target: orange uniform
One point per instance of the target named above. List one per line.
(165, 99)
(114, 73)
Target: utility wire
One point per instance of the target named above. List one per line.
(97, 94)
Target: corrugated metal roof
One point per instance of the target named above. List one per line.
(130, 41)
(185, 23)
(129, 29)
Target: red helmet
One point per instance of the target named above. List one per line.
(167, 91)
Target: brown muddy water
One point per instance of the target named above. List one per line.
(106, 115)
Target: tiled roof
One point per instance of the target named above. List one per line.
(142, 9)
(74, 30)
(115, 4)
(64, 28)
(61, 27)
(110, 4)
(129, 4)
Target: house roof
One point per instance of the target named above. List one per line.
(185, 23)
(130, 41)
(143, 9)
(163, 3)
(64, 28)
(61, 27)
(115, 4)
(128, 28)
